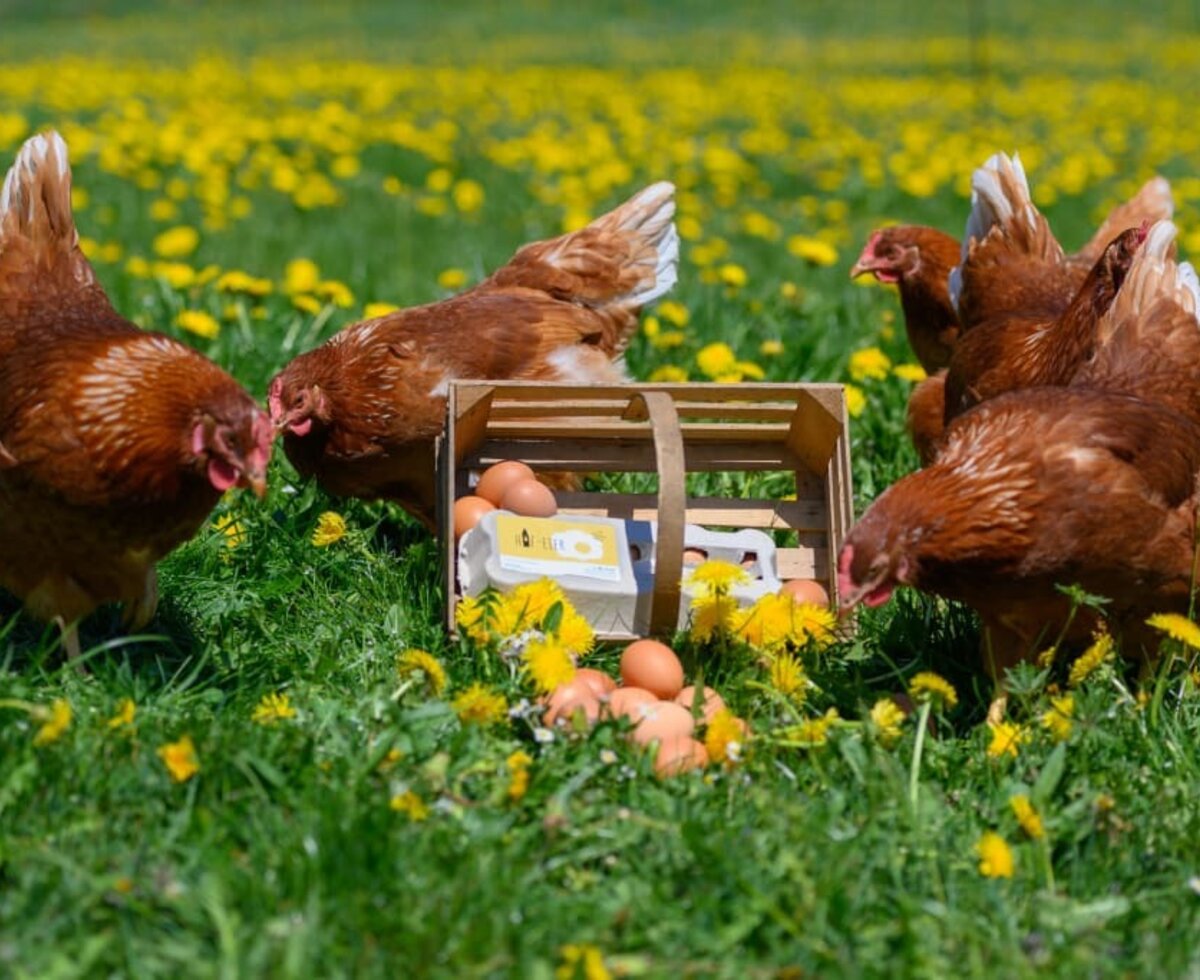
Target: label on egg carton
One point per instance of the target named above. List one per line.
(552, 546)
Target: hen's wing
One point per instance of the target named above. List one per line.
(1148, 343)
(1010, 257)
(926, 416)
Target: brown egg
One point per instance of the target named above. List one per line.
(467, 513)
(600, 683)
(497, 479)
(625, 701)
(713, 702)
(569, 699)
(680, 755)
(654, 666)
(805, 590)
(662, 722)
(530, 499)
(693, 556)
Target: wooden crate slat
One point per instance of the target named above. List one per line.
(565, 411)
(579, 456)
(554, 428)
(799, 515)
(829, 394)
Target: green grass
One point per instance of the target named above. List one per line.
(282, 856)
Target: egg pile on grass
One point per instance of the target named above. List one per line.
(662, 711)
(508, 485)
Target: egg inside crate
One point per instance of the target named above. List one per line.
(805, 590)
(529, 498)
(496, 480)
(654, 666)
(467, 513)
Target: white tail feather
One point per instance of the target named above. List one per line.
(989, 204)
(652, 211)
(19, 198)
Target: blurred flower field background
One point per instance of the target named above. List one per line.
(298, 774)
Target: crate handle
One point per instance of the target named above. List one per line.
(672, 501)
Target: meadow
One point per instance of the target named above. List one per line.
(270, 782)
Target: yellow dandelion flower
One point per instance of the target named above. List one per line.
(452, 278)
(870, 362)
(651, 327)
(788, 677)
(1006, 739)
(273, 708)
(725, 738)
(411, 805)
(716, 359)
(583, 957)
(928, 686)
(771, 348)
(55, 720)
(480, 705)
(812, 250)
(177, 242)
(812, 732)
(909, 372)
(177, 275)
(712, 614)
(717, 574)
(668, 373)
(995, 856)
(518, 774)
(1046, 657)
(548, 664)
(888, 720)
(439, 180)
(337, 293)
(235, 281)
(301, 276)
(1090, 659)
(307, 304)
(198, 322)
(667, 339)
(180, 759)
(1029, 819)
(231, 529)
(373, 310)
(345, 166)
(1177, 627)
(468, 195)
(749, 370)
(574, 632)
(856, 401)
(390, 761)
(422, 662)
(330, 529)
(126, 710)
(1058, 721)
(815, 623)
(674, 312)
(732, 275)
(470, 615)
(789, 290)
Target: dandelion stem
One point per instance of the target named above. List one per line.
(914, 774)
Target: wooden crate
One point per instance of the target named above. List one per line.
(670, 430)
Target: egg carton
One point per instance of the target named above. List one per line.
(608, 575)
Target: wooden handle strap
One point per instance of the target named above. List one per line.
(672, 501)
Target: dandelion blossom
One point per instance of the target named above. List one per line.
(1090, 659)
(788, 677)
(909, 372)
(813, 732)
(177, 242)
(1029, 819)
(888, 720)
(995, 856)
(300, 276)
(411, 805)
(1177, 627)
(548, 664)
(717, 574)
(1058, 721)
(674, 312)
(180, 759)
(126, 710)
(928, 686)
(583, 957)
(712, 615)
(732, 275)
(55, 720)
(724, 738)
(452, 278)
(518, 774)
(1006, 739)
(373, 310)
(480, 705)
(856, 401)
(330, 529)
(716, 359)
(273, 708)
(198, 322)
(812, 250)
(870, 362)
(419, 661)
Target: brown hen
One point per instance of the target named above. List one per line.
(361, 412)
(115, 443)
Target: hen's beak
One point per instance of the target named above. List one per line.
(258, 483)
(868, 261)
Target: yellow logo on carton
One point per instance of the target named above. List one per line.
(554, 546)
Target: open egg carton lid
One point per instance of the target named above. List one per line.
(605, 566)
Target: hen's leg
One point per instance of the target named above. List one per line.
(140, 610)
(70, 640)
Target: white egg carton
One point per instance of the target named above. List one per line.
(613, 594)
